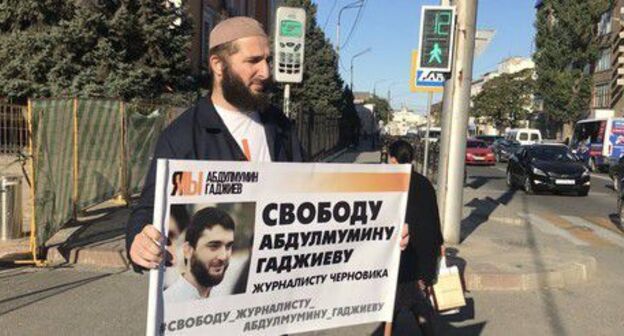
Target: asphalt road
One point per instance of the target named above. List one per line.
(601, 201)
(78, 301)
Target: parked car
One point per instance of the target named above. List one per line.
(489, 139)
(504, 148)
(478, 153)
(548, 168)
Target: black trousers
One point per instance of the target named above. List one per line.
(410, 296)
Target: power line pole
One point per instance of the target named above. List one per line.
(461, 80)
(355, 4)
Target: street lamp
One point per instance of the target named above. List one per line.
(355, 4)
(352, 58)
(390, 91)
(375, 85)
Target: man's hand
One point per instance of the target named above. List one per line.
(404, 237)
(145, 250)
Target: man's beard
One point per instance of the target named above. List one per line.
(238, 94)
(202, 276)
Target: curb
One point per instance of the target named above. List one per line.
(15, 249)
(335, 155)
(570, 273)
(105, 258)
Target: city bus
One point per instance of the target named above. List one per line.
(599, 142)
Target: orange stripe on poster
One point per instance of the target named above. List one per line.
(357, 182)
(246, 150)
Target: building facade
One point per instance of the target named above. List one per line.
(404, 121)
(481, 126)
(608, 70)
(205, 14)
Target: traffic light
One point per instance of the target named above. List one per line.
(437, 27)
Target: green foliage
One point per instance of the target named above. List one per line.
(505, 99)
(382, 107)
(321, 91)
(350, 121)
(116, 48)
(566, 45)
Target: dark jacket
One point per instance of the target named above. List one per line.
(200, 134)
(419, 259)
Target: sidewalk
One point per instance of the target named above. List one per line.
(510, 262)
(499, 249)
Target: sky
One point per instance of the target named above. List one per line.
(391, 27)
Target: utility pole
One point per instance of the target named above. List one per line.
(355, 4)
(389, 93)
(461, 80)
(445, 121)
(426, 156)
(354, 57)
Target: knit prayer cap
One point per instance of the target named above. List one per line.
(235, 28)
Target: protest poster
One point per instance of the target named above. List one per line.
(275, 248)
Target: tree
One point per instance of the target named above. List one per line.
(321, 91)
(382, 107)
(115, 48)
(350, 121)
(566, 47)
(506, 99)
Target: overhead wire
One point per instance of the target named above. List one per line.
(355, 23)
(331, 11)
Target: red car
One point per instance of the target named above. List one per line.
(478, 153)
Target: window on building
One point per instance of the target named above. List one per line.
(602, 96)
(604, 60)
(604, 26)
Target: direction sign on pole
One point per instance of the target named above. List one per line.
(437, 27)
(424, 80)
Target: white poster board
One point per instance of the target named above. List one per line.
(275, 248)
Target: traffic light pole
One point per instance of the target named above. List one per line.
(445, 121)
(458, 106)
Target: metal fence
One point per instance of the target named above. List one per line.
(86, 151)
(432, 159)
(318, 133)
(419, 155)
(13, 129)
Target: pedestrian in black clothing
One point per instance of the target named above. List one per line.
(418, 267)
(234, 123)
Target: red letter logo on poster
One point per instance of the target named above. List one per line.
(184, 185)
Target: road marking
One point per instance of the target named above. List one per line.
(548, 227)
(501, 169)
(600, 177)
(579, 231)
(606, 223)
(598, 193)
(599, 230)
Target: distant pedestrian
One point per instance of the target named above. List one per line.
(418, 267)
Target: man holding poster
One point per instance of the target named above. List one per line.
(234, 123)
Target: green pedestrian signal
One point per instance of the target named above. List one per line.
(437, 26)
(435, 54)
